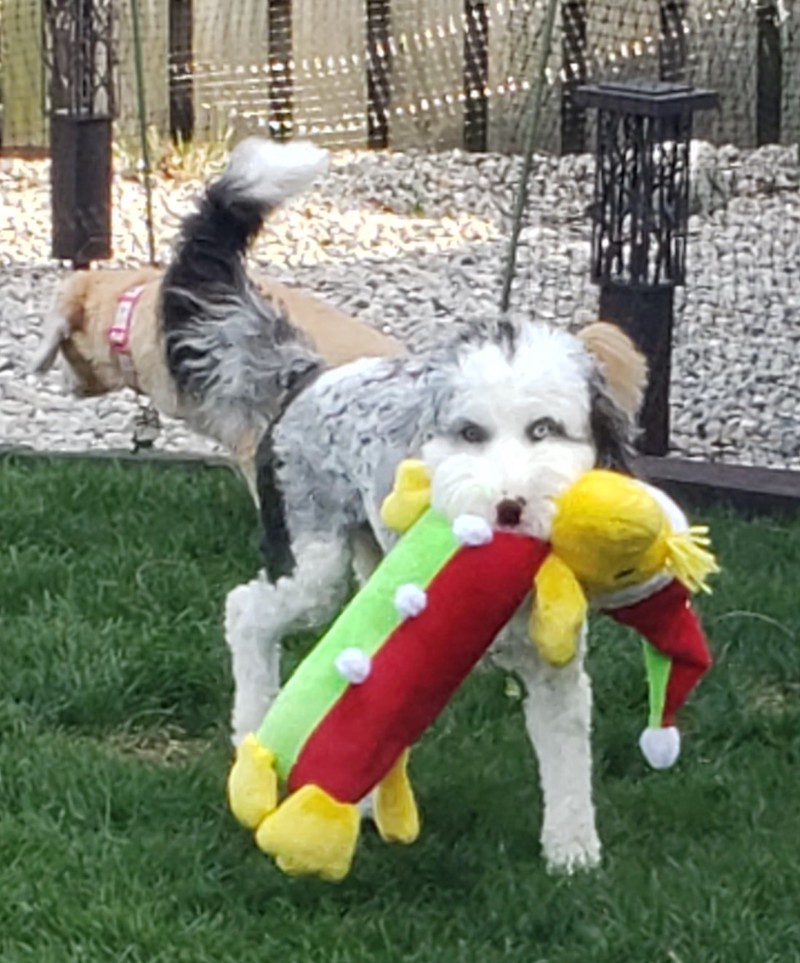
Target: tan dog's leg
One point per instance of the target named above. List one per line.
(56, 332)
(245, 455)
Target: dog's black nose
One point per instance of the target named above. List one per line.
(509, 512)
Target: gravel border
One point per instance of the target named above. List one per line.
(415, 243)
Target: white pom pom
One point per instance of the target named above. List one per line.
(472, 530)
(410, 600)
(661, 747)
(354, 665)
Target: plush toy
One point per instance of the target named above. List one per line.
(345, 721)
(346, 718)
(628, 549)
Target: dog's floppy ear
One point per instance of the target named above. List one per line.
(621, 364)
(612, 427)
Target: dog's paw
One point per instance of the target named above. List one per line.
(572, 855)
(366, 808)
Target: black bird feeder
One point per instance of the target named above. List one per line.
(640, 220)
(79, 36)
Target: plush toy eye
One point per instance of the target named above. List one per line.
(542, 428)
(473, 434)
(625, 573)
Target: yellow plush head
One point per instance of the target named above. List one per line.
(612, 533)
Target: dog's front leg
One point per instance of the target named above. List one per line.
(259, 615)
(558, 706)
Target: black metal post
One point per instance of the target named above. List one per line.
(281, 81)
(80, 58)
(476, 74)
(573, 58)
(769, 73)
(646, 315)
(672, 46)
(379, 72)
(181, 69)
(640, 221)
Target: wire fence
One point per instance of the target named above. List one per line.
(420, 230)
(438, 74)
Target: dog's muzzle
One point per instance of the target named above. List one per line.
(509, 512)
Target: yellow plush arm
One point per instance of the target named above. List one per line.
(410, 496)
(559, 611)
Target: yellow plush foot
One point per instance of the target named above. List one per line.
(311, 834)
(410, 496)
(396, 814)
(252, 783)
(559, 611)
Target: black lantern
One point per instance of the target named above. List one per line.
(80, 57)
(640, 220)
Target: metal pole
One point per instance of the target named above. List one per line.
(140, 96)
(769, 73)
(530, 140)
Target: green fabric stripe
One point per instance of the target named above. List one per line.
(658, 668)
(366, 623)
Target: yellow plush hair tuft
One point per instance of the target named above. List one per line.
(689, 559)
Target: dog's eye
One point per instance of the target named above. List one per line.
(473, 434)
(543, 428)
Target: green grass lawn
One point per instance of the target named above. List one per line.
(115, 842)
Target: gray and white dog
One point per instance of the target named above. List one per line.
(505, 419)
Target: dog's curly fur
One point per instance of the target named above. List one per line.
(509, 414)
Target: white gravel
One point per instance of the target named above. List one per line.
(415, 243)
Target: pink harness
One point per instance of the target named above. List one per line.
(119, 334)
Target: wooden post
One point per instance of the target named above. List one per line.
(476, 74)
(22, 65)
(379, 72)
(769, 74)
(181, 66)
(574, 70)
(672, 40)
(280, 68)
(790, 106)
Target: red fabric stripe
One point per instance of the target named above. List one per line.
(419, 667)
(668, 621)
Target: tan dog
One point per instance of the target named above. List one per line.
(86, 309)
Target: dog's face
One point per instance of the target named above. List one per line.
(525, 416)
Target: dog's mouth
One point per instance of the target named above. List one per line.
(508, 512)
